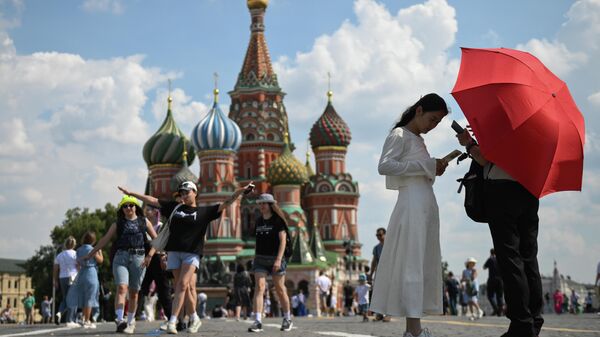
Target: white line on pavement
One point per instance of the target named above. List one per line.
(341, 334)
(36, 332)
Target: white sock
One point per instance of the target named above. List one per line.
(119, 313)
(130, 317)
(173, 319)
(288, 316)
(194, 317)
(258, 317)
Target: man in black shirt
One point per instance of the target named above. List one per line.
(495, 287)
(452, 288)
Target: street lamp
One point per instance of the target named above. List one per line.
(348, 245)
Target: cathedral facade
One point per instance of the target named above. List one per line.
(253, 143)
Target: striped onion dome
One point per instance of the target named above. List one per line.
(184, 174)
(330, 129)
(216, 131)
(286, 169)
(166, 145)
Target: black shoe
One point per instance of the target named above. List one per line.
(286, 325)
(121, 325)
(256, 327)
(181, 326)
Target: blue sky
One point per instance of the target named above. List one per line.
(84, 85)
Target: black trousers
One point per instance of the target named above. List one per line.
(163, 288)
(513, 221)
(495, 294)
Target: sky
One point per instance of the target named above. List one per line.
(83, 85)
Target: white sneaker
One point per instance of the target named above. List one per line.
(73, 325)
(424, 333)
(130, 329)
(163, 326)
(89, 325)
(172, 328)
(194, 326)
(480, 313)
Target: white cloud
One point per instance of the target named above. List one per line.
(111, 6)
(32, 195)
(582, 28)
(187, 112)
(594, 99)
(13, 139)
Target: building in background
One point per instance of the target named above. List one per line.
(14, 284)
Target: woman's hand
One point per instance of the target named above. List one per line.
(124, 190)
(440, 166)
(277, 265)
(146, 261)
(464, 138)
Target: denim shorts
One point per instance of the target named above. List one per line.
(264, 264)
(363, 308)
(176, 259)
(127, 269)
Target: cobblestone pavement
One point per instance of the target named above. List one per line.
(440, 326)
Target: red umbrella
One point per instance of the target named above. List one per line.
(524, 118)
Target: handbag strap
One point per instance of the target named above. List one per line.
(170, 217)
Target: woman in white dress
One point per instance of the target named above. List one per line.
(409, 276)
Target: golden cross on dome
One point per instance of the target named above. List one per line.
(329, 92)
(169, 98)
(216, 91)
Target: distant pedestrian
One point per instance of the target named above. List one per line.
(241, 292)
(452, 287)
(495, 286)
(361, 295)
(324, 289)
(29, 305)
(271, 240)
(471, 284)
(589, 303)
(201, 309)
(85, 290)
(64, 273)
(558, 301)
(301, 303)
(575, 306)
(7, 315)
(348, 292)
(46, 310)
(380, 235)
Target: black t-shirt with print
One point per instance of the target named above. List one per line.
(267, 235)
(188, 225)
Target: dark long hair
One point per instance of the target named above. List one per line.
(138, 211)
(429, 102)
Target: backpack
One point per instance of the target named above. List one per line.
(474, 184)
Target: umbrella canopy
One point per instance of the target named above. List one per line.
(524, 118)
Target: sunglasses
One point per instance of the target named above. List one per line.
(128, 206)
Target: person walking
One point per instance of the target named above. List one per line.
(64, 273)
(380, 235)
(361, 295)
(46, 310)
(324, 289)
(129, 262)
(271, 237)
(241, 292)
(558, 301)
(189, 222)
(156, 271)
(469, 279)
(409, 273)
(452, 287)
(512, 213)
(29, 304)
(495, 287)
(85, 290)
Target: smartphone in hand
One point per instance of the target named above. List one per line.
(249, 189)
(448, 158)
(457, 128)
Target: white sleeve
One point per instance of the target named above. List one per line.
(392, 161)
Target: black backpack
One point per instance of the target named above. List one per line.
(474, 185)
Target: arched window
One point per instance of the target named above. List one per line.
(250, 136)
(270, 137)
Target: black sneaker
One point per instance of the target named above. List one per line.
(286, 325)
(181, 326)
(255, 327)
(121, 325)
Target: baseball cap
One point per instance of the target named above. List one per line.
(187, 186)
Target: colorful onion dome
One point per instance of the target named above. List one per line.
(286, 170)
(330, 129)
(216, 131)
(254, 4)
(185, 174)
(166, 145)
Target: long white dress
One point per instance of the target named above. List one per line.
(408, 282)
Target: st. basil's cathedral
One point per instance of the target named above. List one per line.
(252, 143)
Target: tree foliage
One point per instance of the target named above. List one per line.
(76, 223)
